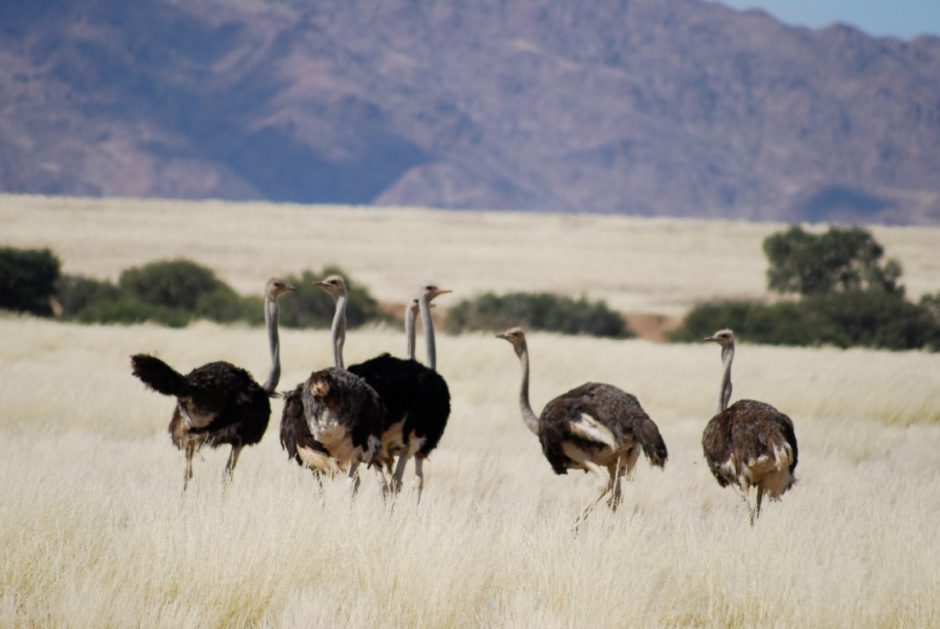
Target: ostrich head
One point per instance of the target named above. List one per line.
(319, 383)
(724, 337)
(516, 336)
(276, 287)
(431, 290)
(334, 285)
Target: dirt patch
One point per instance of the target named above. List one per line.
(652, 327)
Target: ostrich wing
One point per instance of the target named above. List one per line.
(588, 428)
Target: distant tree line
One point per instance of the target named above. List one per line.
(168, 292)
(835, 289)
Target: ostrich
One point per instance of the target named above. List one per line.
(218, 403)
(749, 443)
(333, 421)
(591, 427)
(416, 397)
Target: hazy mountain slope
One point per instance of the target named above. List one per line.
(677, 107)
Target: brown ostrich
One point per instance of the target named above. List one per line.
(333, 421)
(748, 444)
(590, 428)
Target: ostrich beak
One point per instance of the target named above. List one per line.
(440, 291)
(502, 335)
(710, 338)
(289, 287)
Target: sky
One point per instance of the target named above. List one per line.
(899, 18)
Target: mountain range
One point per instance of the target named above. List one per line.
(649, 107)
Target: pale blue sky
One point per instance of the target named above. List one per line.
(899, 18)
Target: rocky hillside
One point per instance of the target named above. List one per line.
(678, 107)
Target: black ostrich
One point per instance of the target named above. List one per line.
(333, 421)
(749, 444)
(218, 403)
(416, 397)
(591, 427)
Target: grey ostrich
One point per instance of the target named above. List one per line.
(749, 444)
(333, 421)
(218, 403)
(589, 428)
(416, 398)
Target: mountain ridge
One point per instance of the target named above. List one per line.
(651, 107)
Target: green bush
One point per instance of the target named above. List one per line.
(27, 279)
(312, 307)
(779, 324)
(853, 318)
(543, 311)
(76, 293)
(127, 309)
(179, 284)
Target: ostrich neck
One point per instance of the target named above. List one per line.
(338, 331)
(528, 415)
(724, 396)
(428, 331)
(410, 317)
(271, 320)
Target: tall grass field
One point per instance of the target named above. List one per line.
(96, 532)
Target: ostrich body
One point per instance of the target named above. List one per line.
(218, 403)
(415, 397)
(590, 428)
(333, 421)
(748, 444)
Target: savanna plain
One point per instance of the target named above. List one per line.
(96, 532)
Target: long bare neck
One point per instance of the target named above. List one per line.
(528, 415)
(724, 396)
(428, 331)
(271, 319)
(410, 320)
(338, 331)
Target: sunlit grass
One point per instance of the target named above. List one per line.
(95, 530)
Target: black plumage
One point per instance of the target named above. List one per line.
(750, 443)
(413, 395)
(218, 403)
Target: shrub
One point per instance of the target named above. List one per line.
(853, 318)
(179, 284)
(778, 324)
(128, 309)
(27, 279)
(76, 293)
(542, 311)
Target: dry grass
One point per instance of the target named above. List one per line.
(96, 533)
(636, 264)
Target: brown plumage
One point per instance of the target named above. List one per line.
(217, 403)
(590, 428)
(333, 421)
(749, 444)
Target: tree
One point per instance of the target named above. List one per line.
(837, 260)
(27, 279)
